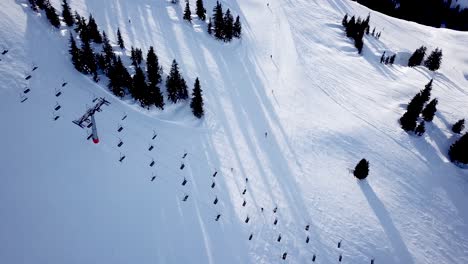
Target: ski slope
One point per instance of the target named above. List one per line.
(64, 199)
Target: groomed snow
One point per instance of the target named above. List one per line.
(66, 200)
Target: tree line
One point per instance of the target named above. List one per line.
(144, 85)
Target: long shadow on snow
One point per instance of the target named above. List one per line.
(401, 250)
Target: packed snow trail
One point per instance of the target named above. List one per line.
(293, 75)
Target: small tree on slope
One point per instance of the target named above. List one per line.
(459, 150)
(417, 57)
(51, 14)
(67, 15)
(458, 126)
(187, 12)
(362, 169)
(120, 39)
(434, 60)
(430, 110)
(200, 10)
(197, 100)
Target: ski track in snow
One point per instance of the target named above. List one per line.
(324, 107)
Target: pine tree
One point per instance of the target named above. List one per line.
(75, 53)
(237, 28)
(209, 27)
(373, 32)
(392, 59)
(140, 89)
(154, 73)
(430, 110)
(187, 12)
(434, 60)
(200, 10)
(119, 78)
(350, 29)
(120, 39)
(420, 129)
(175, 84)
(136, 55)
(79, 25)
(52, 15)
(197, 100)
(218, 21)
(362, 169)
(67, 15)
(42, 4)
(417, 57)
(458, 151)
(228, 26)
(344, 22)
(94, 33)
(458, 126)
(408, 121)
(88, 59)
(108, 52)
(426, 93)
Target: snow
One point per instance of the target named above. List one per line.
(66, 200)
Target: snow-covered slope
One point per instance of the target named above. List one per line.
(66, 200)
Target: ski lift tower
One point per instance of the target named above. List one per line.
(88, 120)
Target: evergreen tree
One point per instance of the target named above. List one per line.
(420, 129)
(154, 73)
(94, 33)
(175, 84)
(197, 100)
(67, 15)
(417, 57)
(362, 169)
(373, 32)
(458, 151)
(52, 15)
(79, 25)
(458, 126)
(88, 59)
(344, 22)
(139, 90)
(120, 39)
(416, 104)
(350, 29)
(228, 26)
(430, 110)
(75, 53)
(209, 27)
(42, 4)
(108, 52)
(187, 12)
(200, 10)
(426, 93)
(101, 63)
(237, 28)
(119, 78)
(218, 21)
(392, 59)
(434, 60)
(408, 121)
(382, 59)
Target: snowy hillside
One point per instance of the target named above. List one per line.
(64, 199)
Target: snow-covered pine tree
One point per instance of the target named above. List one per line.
(154, 74)
(108, 52)
(172, 82)
(426, 92)
(200, 10)
(139, 88)
(67, 15)
(51, 14)
(228, 26)
(75, 53)
(94, 33)
(418, 56)
(197, 100)
(218, 21)
(458, 151)
(420, 129)
(458, 126)
(430, 110)
(361, 171)
(434, 60)
(237, 28)
(120, 39)
(187, 12)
